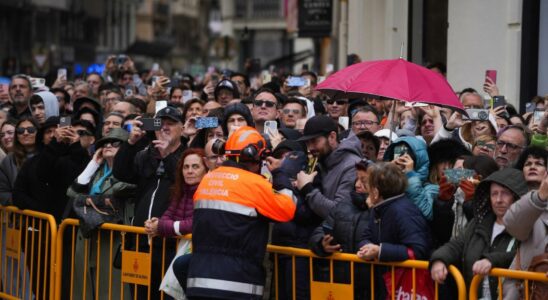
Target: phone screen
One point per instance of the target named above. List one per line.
(271, 127)
(492, 74)
(207, 122)
(537, 116)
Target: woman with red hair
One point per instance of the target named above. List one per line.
(177, 219)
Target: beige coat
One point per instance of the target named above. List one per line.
(527, 221)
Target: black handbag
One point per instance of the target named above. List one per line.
(94, 210)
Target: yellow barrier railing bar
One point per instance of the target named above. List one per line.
(416, 264)
(45, 222)
(512, 274)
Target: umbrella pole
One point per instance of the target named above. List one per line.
(391, 120)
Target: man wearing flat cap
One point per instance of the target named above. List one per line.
(152, 166)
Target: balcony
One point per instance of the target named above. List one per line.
(258, 9)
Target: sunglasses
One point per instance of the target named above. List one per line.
(22, 130)
(115, 144)
(286, 111)
(339, 102)
(260, 103)
(83, 132)
(485, 145)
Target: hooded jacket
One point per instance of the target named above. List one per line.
(237, 108)
(527, 221)
(475, 242)
(418, 189)
(338, 176)
(51, 104)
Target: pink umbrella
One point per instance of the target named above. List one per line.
(395, 79)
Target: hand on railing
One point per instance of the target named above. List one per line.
(438, 271)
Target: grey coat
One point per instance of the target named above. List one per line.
(527, 221)
(338, 176)
(8, 173)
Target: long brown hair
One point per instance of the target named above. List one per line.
(19, 152)
(177, 188)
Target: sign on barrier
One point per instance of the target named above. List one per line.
(135, 267)
(13, 243)
(331, 291)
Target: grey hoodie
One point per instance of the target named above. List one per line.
(338, 176)
(51, 104)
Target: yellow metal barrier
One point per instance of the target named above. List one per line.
(332, 291)
(506, 273)
(86, 267)
(27, 240)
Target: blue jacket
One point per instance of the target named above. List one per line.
(396, 225)
(418, 189)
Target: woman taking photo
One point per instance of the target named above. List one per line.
(96, 186)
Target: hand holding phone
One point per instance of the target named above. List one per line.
(62, 73)
(64, 121)
(492, 75)
(271, 128)
(151, 124)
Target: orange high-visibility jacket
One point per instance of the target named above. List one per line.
(242, 192)
(232, 212)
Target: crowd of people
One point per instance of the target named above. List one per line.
(370, 176)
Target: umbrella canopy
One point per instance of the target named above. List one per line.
(395, 79)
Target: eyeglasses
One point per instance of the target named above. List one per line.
(509, 146)
(286, 111)
(363, 123)
(114, 144)
(83, 132)
(339, 102)
(22, 130)
(3, 134)
(484, 144)
(260, 103)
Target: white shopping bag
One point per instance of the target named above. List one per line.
(170, 285)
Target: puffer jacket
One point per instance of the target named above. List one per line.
(418, 189)
(348, 221)
(527, 221)
(396, 224)
(181, 211)
(475, 243)
(338, 176)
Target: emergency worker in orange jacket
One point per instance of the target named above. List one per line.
(233, 206)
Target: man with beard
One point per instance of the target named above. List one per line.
(20, 91)
(336, 165)
(511, 141)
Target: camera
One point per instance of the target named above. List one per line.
(476, 114)
(121, 60)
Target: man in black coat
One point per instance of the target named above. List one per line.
(152, 169)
